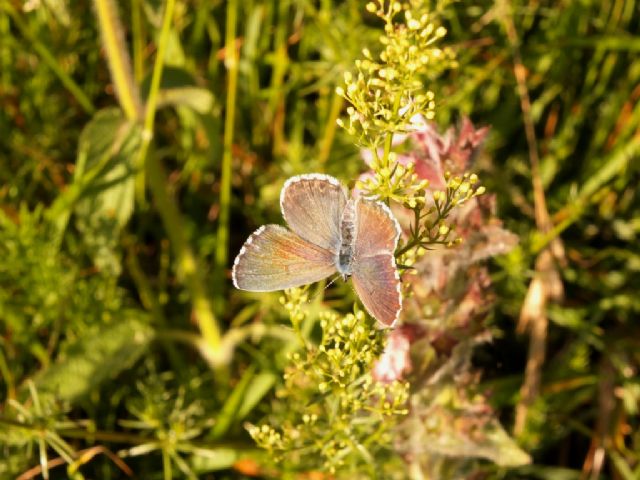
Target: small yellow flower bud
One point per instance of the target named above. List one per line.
(413, 24)
(371, 7)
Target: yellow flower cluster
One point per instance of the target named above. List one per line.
(329, 393)
(387, 92)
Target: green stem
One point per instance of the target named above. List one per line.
(127, 438)
(388, 141)
(118, 58)
(330, 129)
(231, 62)
(136, 34)
(44, 461)
(152, 99)
(8, 377)
(166, 465)
(50, 60)
(185, 258)
(275, 114)
(158, 66)
(5, 53)
(167, 206)
(413, 243)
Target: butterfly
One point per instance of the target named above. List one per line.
(328, 233)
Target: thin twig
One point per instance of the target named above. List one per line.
(222, 240)
(83, 456)
(546, 284)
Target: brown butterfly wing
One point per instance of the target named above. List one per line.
(375, 275)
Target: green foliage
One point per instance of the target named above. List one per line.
(102, 355)
(122, 345)
(106, 172)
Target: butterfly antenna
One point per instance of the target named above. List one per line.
(331, 282)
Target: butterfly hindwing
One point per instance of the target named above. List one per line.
(375, 275)
(312, 205)
(375, 280)
(274, 258)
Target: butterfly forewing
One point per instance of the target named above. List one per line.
(375, 276)
(312, 205)
(273, 258)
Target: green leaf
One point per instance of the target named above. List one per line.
(98, 356)
(231, 407)
(546, 473)
(179, 89)
(260, 386)
(105, 167)
(197, 98)
(212, 459)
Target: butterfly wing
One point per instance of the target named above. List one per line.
(375, 276)
(312, 205)
(274, 258)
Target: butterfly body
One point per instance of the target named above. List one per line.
(344, 260)
(329, 233)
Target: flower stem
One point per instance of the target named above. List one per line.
(231, 62)
(330, 129)
(167, 206)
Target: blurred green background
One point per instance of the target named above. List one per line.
(119, 327)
